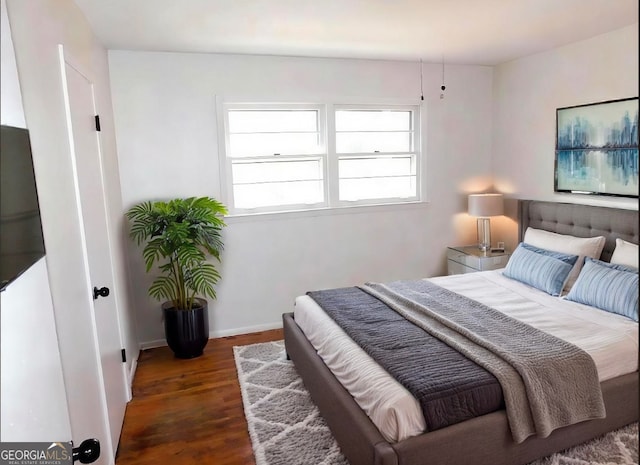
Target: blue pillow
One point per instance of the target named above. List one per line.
(540, 268)
(609, 287)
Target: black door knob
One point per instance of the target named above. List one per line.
(102, 292)
(87, 452)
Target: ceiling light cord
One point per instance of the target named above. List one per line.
(442, 87)
(421, 91)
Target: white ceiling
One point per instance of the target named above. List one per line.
(484, 32)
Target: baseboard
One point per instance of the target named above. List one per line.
(153, 344)
(132, 374)
(216, 334)
(244, 330)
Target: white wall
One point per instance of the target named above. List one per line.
(528, 91)
(33, 400)
(33, 404)
(38, 29)
(164, 105)
(11, 104)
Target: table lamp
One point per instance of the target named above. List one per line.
(484, 206)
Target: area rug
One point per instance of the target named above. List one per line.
(286, 427)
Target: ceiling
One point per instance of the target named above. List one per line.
(480, 32)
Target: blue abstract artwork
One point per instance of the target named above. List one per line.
(597, 148)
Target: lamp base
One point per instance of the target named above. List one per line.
(484, 234)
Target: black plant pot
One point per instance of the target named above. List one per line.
(187, 331)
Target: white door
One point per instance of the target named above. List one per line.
(85, 145)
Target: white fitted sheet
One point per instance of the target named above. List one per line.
(610, 339)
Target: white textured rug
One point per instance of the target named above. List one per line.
(286, 427)
(284, 424)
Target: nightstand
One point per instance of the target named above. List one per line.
(469, 259)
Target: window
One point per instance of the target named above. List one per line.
(376, 153)
(276, 156)
(281, 157)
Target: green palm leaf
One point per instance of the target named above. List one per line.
(162, 288)
(202, 279)
(152, 252)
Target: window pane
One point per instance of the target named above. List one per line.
(377, 188)
(241, 121)
(365, 167)
(279, 170)
(278, 182)
(278, 194)
(367, 142)
(373, 120)
(252, 145)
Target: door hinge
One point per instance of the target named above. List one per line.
(98, 123)
(124, 355)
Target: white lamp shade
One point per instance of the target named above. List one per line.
(485, 205)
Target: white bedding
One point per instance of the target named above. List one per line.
(610, 339)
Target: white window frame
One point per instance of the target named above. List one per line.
(227, 162)
(330, 159)
(416, 146)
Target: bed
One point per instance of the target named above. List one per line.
(486, 439)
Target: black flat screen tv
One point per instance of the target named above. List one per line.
(21, 241)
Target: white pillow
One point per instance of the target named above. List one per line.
(625, 253)
(580, 246)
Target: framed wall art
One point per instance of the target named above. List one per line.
(597, 148)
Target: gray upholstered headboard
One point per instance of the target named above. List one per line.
(579, 220)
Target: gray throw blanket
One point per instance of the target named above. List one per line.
(449, 386)
(547, 382)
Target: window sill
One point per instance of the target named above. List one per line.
(324, 211)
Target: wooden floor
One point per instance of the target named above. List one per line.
(188, 411)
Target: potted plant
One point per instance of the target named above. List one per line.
(180, 235)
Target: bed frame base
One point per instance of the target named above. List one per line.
(485, 440)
